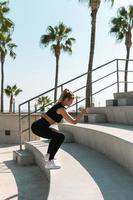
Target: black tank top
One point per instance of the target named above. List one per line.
(53, 114)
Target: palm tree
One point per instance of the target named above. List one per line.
(94, 6)
(12, 91)
(43, 101)
(121, 27)
(59, 39)
(6, 29)
(6, 47)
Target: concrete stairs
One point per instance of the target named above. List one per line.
(85, 174)
(96, 162)
(117, 110)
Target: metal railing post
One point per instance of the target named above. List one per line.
(20, 128)
(29, 120)
(61, 88)
(117, 68)
(76, 105)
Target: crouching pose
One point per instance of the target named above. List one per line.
(55, 114)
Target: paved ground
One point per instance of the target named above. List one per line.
(20, 182)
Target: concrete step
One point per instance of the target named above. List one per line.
(111, 102)
(126, 101)
(114, 140)
(85, 174)
(94, 118)
(115, 114)
(123, 95)
(23, 157)
(97, 118)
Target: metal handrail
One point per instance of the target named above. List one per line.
(73, 79)
(61, 86)
(125, 71)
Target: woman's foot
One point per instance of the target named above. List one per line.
(52, 164)
(46, 157)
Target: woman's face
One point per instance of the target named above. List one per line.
(67, 101)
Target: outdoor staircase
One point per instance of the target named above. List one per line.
(92, 163)
(117, 110)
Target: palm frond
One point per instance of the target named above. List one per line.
(17, 92)
(46, 39)
(4, 7)
(67, 49)
(122, 12)
(8, 90)
(130, 14)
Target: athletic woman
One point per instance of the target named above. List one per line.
(55, 114)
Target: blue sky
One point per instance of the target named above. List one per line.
(34, 68)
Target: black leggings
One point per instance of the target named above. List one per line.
(42, 129)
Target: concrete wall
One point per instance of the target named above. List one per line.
(119, 114)
(11, 122)
(123, 94)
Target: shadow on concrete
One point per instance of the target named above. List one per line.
(31, 182)
(113, 180)
(12, 197)
(7, 145)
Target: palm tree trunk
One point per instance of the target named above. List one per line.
(91, 56)
(126, 69)
(11, 102)
(2, 84)
(56, 77)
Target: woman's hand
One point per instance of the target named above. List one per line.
(87, 109)
(84, 110)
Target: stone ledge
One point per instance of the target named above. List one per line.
(114, 140)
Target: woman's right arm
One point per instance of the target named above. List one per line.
(69, 118)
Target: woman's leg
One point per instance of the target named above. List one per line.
(56, 137)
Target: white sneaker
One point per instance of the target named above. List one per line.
(46, 157)
(52, 164)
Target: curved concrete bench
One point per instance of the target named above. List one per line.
(72, 181)
(114, 140)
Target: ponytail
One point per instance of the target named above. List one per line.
(66, 93)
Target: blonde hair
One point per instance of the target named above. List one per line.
(66, 94)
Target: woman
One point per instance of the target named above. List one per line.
(42, 127)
